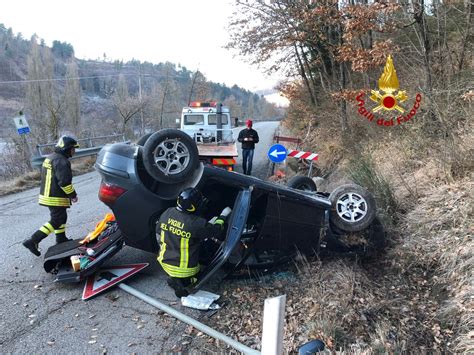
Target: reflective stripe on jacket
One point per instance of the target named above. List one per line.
(180, 237)
(56, 181)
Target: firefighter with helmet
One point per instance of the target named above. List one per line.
(180, 231)
(56, 192)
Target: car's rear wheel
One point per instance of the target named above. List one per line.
(302, 183)
(170, 156)
(353, 208)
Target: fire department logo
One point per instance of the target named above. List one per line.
(388, 98)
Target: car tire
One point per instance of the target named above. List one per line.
(352, 208)
(142, 140)
(170, 156)
(302, 183)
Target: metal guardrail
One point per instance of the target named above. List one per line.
(37, 160)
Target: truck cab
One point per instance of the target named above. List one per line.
(210, 126)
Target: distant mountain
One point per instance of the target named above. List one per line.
(164, 87)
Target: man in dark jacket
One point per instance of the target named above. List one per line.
(180, 230)
(248, 137)
(56, 193)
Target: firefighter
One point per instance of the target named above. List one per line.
(180, 230)
(248, 137)
(56, 193)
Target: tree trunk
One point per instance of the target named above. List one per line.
(305, 78)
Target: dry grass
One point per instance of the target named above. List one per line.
(441, 239)
(416, 298)
(33, 178)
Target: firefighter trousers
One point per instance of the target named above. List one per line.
(56, 224)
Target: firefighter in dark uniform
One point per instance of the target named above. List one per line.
(56, 193)
(180, 230)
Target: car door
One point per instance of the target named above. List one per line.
(236, 226)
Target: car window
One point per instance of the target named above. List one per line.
(212, 119)
(194, 119)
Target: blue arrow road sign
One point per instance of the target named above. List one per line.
(277, 153)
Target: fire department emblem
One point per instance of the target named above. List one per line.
(388, 96)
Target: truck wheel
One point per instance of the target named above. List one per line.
(302, 183)
(142, 140)
(353, 208)
(170, 156)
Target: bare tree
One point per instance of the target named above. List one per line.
(127, 106)
(73, 97)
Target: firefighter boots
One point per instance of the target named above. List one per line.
(61, 238)
(32, 242)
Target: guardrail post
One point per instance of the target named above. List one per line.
(273, 316)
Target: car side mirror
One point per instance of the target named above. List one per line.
(177, 121)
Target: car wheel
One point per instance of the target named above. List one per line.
(302, 183)
(170, 156)
(142, 140)
(353, 208)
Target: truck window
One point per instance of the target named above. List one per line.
(193, 120)
(212, 119)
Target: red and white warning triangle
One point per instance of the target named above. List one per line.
(108, 277)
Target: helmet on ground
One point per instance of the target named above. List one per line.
(65, 144)
(189, 200)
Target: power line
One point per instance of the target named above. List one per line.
(65, 79)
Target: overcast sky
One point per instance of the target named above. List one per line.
(189, 32)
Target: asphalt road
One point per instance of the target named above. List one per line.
(39, 316)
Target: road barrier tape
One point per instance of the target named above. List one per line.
(303, 155)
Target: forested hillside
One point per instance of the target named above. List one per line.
(401, 127)
(59, 92)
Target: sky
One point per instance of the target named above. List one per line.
(187, 32)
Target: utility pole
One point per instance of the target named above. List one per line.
(142, 121)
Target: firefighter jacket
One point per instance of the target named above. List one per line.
(56, 181)
(248, 133)
(180, 236)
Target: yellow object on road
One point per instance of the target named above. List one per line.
(99, 228)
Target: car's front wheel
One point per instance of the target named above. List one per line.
(170, 156)
(352, 208)
(302, 183)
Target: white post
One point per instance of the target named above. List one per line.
(273, 317)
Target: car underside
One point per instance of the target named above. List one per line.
(269, 222)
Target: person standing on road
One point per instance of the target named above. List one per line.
(56, 193)
(180, 231)
(248, 137)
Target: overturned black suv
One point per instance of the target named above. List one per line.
(269, 222)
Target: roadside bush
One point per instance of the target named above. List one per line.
(14, 160)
